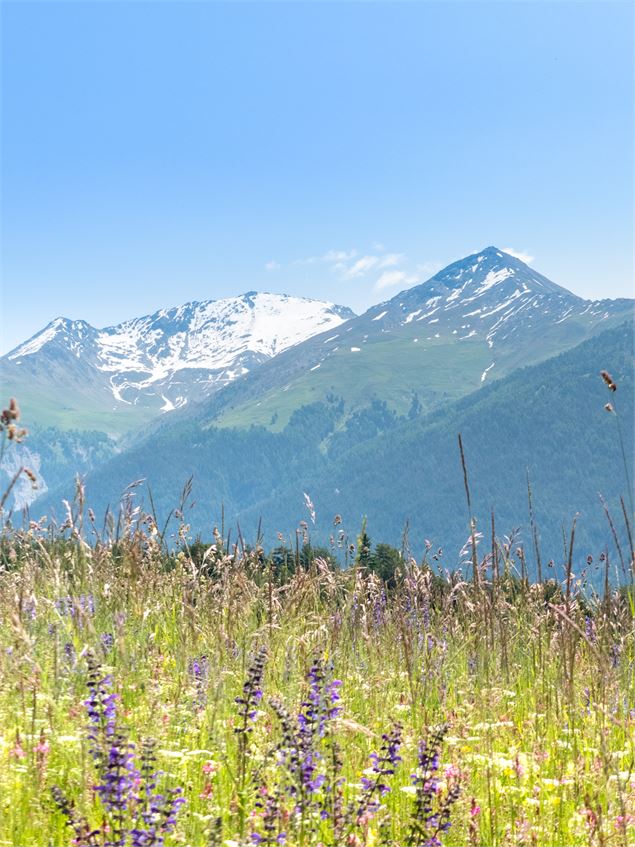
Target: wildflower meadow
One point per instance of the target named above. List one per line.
(148, 700)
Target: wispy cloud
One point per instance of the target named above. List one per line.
(353, 265)
(361, 266)
(331, 257)
(391, 278)
(338, 256)
(391, 259)
(272, 265)
(519, 254)
(371, 262)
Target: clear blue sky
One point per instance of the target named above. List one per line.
(158, 152)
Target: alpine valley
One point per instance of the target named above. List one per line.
(271, 402)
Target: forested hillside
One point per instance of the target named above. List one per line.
(547, 421)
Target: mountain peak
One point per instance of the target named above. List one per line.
(491, 296)
(479, 272)
(64, 331)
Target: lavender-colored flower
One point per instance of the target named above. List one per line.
(430, 816)
(63, 605)
(134, 813)
(72, 606)
(102, 710)
(119, 776)
(308, 753)
(199, 670)
(107, 642)
(252, 693)
(87, 604)
(379, 608)
(384, 764)
(272, 831)
(322, 701)
(70, 654)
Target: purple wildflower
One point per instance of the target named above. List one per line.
(107, 642)
(199, 670)
(384, 764)
(134, 812)
(252, 693)
(430, 816)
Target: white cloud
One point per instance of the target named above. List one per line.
(349, 264)
(391, 259)
(519, 254)
(338, 256)
(272, 265)
(330, 257)
(391, 278)
(367, 263)
(362, 266)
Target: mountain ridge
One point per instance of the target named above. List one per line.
(477, 319)
(173, 356)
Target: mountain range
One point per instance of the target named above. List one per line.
(116, 378)
(476, 320)
(265, 398)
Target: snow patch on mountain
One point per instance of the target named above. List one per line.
(193, 348)
(495, 287)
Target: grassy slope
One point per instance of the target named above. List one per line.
(73, 407)
(389, 366)
(546, 419)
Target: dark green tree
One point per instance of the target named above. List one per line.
(386, 562)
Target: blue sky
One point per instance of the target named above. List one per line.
(159, 152)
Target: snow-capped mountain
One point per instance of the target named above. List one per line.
(165, 360)
(494, 297)
(474, 321)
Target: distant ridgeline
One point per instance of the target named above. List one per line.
(364, 417)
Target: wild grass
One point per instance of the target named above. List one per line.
(535, 685)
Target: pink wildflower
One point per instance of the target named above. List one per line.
(42, 747)
(206, 793)
(622, 821)
(452, 772)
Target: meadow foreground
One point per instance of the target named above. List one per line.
(319, 707)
